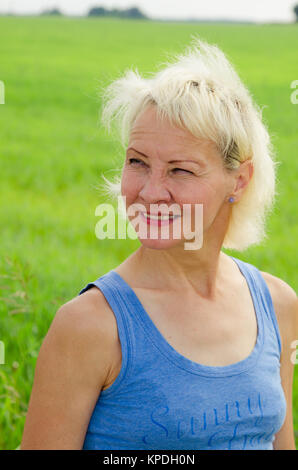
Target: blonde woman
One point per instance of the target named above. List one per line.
(177, 348)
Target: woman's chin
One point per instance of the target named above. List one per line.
(159, 244)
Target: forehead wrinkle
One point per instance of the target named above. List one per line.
(176, 133)
(178, 138)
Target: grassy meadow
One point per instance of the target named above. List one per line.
(53, 153)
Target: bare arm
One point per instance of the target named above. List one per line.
(286, 308)
(72, 366)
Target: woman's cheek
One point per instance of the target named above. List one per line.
(129, 188)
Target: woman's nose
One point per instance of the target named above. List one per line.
(154, 190)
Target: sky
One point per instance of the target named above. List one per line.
(248, 10)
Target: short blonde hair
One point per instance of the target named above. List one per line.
(200, 91)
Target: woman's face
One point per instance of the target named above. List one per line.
(168, 165)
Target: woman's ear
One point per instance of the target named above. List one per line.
(243, 176)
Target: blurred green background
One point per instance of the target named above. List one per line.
(53, 152)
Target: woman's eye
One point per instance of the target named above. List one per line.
(136, 161)
(132, 160)
(180, 169)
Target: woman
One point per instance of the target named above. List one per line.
(177, 348)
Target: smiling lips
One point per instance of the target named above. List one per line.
(156, 219)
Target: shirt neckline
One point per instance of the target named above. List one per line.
(138, 310)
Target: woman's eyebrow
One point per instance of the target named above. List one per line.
(140, 153)
(181, 161)
(171, 161)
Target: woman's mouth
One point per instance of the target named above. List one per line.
(158, 220)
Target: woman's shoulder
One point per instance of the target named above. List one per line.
(88, 311)
(84, 330)
(285, 303)
(283, 295)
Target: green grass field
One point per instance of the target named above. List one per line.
(53, 152)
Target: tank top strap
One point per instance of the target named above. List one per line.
(109, 286)
(261, 290)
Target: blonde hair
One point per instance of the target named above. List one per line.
(200, 91)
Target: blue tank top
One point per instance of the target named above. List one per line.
(162, 400)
